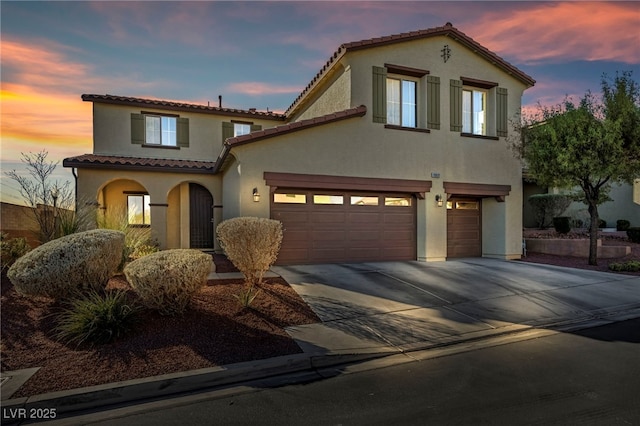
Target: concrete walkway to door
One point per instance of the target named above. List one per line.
(403, 306)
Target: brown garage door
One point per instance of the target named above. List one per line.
(329, 226)
(464, 228)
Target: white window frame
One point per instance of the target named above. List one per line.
(165, 133)
(240, 129)
(474, 116)
(404, 105)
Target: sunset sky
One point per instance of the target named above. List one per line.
(262, 54)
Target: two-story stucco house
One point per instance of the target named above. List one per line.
(395, 150)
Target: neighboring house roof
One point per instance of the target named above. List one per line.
(448, 30)
(286, 128)
(180, 106)
(134, 163)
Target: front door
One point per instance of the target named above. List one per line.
(200, 217)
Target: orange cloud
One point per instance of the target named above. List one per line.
(593, 31)
(33, 120)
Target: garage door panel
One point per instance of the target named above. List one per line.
(398, 218)
(328, 254)
(330, 217)
(292, 217)
(321, 232)
(403, 235)
(464, 236)
(365, 235)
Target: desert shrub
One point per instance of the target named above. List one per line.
(12, 249)
(167, 280)
(69, 264)
(97, 317)
(252, 244)
(602, 223)
(562, 224)
(138, 240)
(247, 295)
(548, 206)
(622, 225)
(634, 234)
(629, 266)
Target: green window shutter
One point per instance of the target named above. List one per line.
(456, 105)
(137, 129)
(182, 134)
(256, 127)
(227, 130)
(502, 127)
(433, 102)
(379, 95)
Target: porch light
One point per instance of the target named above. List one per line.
(439, 200)
(256, 195)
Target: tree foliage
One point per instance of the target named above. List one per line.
(589, 144)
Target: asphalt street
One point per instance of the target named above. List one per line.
(587, 377)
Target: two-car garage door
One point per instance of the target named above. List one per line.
(344, 226)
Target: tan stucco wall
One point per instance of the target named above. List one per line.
(169, 197)
(332, 95)
(623, 206)
(112, 134)
(358, 147)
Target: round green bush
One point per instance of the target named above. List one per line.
(634, 234)
(562, 224)
(622, 225)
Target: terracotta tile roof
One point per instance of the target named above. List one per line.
(447, 30)
(135, 163)
(180, 106)
(286, 128)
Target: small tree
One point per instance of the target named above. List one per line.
(43, 194)
(589, 145)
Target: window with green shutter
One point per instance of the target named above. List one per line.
(159, 130)
(239, 128)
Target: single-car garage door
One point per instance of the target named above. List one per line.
(345, 226)
(464, 228)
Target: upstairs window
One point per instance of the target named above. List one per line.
(240, 129)
(479, 108)
(474, 111)
(401, 95)
(160, 130)
(232, 129)
(401, 102)
(157, 130)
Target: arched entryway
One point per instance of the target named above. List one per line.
(200, 217)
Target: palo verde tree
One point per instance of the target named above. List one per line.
(588, 145)
(48, 198)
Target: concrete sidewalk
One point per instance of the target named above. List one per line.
(371, 310)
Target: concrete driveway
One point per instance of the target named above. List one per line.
(401, 306)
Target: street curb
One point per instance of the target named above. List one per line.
(118, 393)
(130, 391)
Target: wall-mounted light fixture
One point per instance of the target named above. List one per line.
(439, 200)
(256, 195)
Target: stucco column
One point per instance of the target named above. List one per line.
(159, 223)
